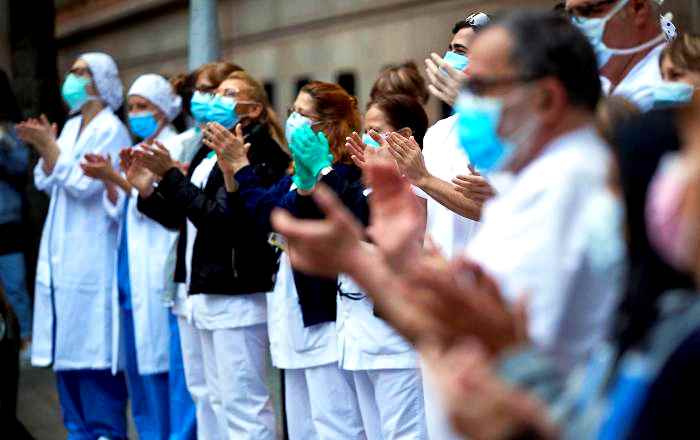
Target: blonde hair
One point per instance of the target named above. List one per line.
(268, 117)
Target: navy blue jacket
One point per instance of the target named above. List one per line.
(317, 295)
(230, 256)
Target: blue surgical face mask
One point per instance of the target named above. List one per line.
(199, 106)
(294, 122)
(74, 91)
(143, 124)
(456, 60)
(477, 129)
(594, 30)
(222, 109)
(671, 94)
(367, 140)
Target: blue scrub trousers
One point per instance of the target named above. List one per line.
(93, 403)
(150, 403)
(183, 421)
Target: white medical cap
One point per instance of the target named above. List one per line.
(158, 90)
(105, 75)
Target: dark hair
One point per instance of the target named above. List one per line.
(338, 114)
(640, 143)
(547, 45)
(403, 111)
(473, 21)
(403, 79)
(9, 109)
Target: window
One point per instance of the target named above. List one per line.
(301, 82)
(270, 91)
(346, 80)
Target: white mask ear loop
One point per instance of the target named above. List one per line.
(668, 33)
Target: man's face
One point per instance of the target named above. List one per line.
(462, 41)
(492, 74)
(620, 31)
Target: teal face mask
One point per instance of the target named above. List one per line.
(671, 94)
(143, 125)
(222, 109)
(199, 107)
(367, 140)
(457, 61)
(477, 128)
(74, 91)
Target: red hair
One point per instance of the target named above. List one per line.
(338, 115)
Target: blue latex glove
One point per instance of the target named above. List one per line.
(311, 154)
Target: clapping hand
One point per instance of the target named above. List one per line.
(445, 80)
(98, 167)
(474, 186)
(408, 156)
(38, 132)
(311, 154)
(231, 148)
(155, 157)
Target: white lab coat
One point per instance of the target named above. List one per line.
(445, 159)
(76, 255)
(638, 86)
(366, 342)
(151, 249)
(291, 344)
(540, 237)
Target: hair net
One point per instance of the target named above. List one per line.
(105, 75)
(158, 90)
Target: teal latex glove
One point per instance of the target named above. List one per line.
(311, 154)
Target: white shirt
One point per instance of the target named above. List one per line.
(445, 159)
(542, 237)
(638, 86)
(215, 312)
(77, 252)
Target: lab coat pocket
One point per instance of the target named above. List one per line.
(378, 337)
(313, 337)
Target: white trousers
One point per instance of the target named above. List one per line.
(235, 368)
(392, 403)
(207, 422)
(321, 404)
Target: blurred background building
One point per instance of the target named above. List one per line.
(282, 42)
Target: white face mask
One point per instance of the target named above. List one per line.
(672, 93)
(594, 30)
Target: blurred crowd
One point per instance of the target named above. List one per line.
(525, 268)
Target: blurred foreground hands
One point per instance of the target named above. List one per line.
(433, 302)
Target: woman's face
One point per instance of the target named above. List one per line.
(81, 68)
(671, 72)
(304, 105)
(138, 104)
(241, 92)
(375, 119)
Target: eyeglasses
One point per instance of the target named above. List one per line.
(477, 19)
(291, 110)
(590, 9)
(480, 85)
(81, 71)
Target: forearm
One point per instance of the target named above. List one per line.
(444, 193)
(230, 182)
(118, 180)
(50, 155)
(112, 194)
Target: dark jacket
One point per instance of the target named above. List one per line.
(317, 295)
(230, 255)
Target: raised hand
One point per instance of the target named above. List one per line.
(155, 157)
(474, 186)
(466, 302)
(496, 409)
(445, 80)
(395, 213)
(408, 156)
(38, 132)
(98, 167)
(311, 154)
(231, 148)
